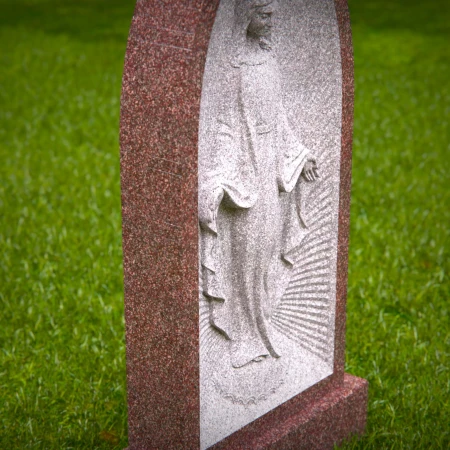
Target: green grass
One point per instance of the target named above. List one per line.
(62, 364)
(62, 360)
(398, 333)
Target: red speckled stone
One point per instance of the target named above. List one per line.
(159, 132)
(314, 420)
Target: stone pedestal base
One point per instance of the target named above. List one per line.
(317, 425)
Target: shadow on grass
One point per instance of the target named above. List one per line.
(86, 20)
(381, 15)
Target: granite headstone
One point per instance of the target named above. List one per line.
(236, 128)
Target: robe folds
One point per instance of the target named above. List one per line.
(249, 207)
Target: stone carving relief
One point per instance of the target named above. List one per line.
(249, 203)
(268, 191)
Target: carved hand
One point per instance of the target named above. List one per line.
(310, 171)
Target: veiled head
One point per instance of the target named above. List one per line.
(252, 17)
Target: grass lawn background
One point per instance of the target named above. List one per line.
(62, 359)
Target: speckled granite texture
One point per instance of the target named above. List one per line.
(159, 139)
(309, 421)
(276, 96)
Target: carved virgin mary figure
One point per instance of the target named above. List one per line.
(249, 191)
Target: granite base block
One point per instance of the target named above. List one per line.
(319, 425)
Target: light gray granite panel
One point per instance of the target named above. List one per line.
(269, 151)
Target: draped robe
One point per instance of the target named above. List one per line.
(249, 207)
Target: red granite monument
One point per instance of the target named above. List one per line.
(236, 134)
